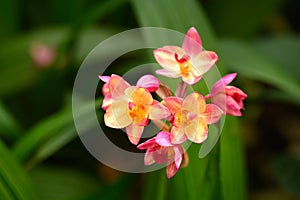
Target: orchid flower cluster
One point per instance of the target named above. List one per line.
(180, 117)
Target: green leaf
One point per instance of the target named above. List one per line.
(14, 183)
(64, 183)
(282, 50)
(174, 14)
(50, 135)
(9, 128)
(246, 60)
(244, 22)
(232, 161)
(286, 170)
(155, 181)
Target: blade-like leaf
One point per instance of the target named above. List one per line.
(49, 135)
(174, 14)
(14, 182)
(232, 161)
(246, 60)
(9, 128)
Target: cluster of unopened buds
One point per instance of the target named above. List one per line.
(181, 117)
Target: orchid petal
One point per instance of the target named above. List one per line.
(167, 73)
(158, 111)
(107, 101)
(148, 144)
(148, 82)
(105, 79)
(173, 104)
(171, 170)
(194, 102)
(177, 135)
(117, 86)
(203, 62)
(166, 58)
(134, 133)
(197, 130)
(212, 114)
(220, 84)
(117, 115)
(178, 155)
(232, 107)
(139, 95)
(237, 94)
(192, 43)
(148, 159)
(163, 139)
(191, 79)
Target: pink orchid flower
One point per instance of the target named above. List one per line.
(189, 61)
(191, 117)
(115, 87)
(133, 110)
(228, 98)
(161, 150)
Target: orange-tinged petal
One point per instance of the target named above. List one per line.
(173, 103)
(203, 62)
(191, 78)
(194, 103)
(139, 95)
(117, 86)
(197, 130)
(134, 133)
(158, 111)
(177, 135)
(212, 114)
(117, 115)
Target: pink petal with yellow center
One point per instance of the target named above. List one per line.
(134, 133)
(117, 115)
(163, 139)
(117, 86)
(171, 170)
(139, 95)
(203, 62)
(166, 57)
(197, 130)
(192, 43)
(194, 102)
(173, 104)
(212, 114)
(191, 79)
(148, 82)
(177, 135)
(158, 111)
(220, 84)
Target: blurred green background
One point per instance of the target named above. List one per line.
(42, 46)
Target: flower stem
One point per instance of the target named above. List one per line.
(181, 89)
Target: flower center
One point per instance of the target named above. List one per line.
(184, 64)
(138, 112)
